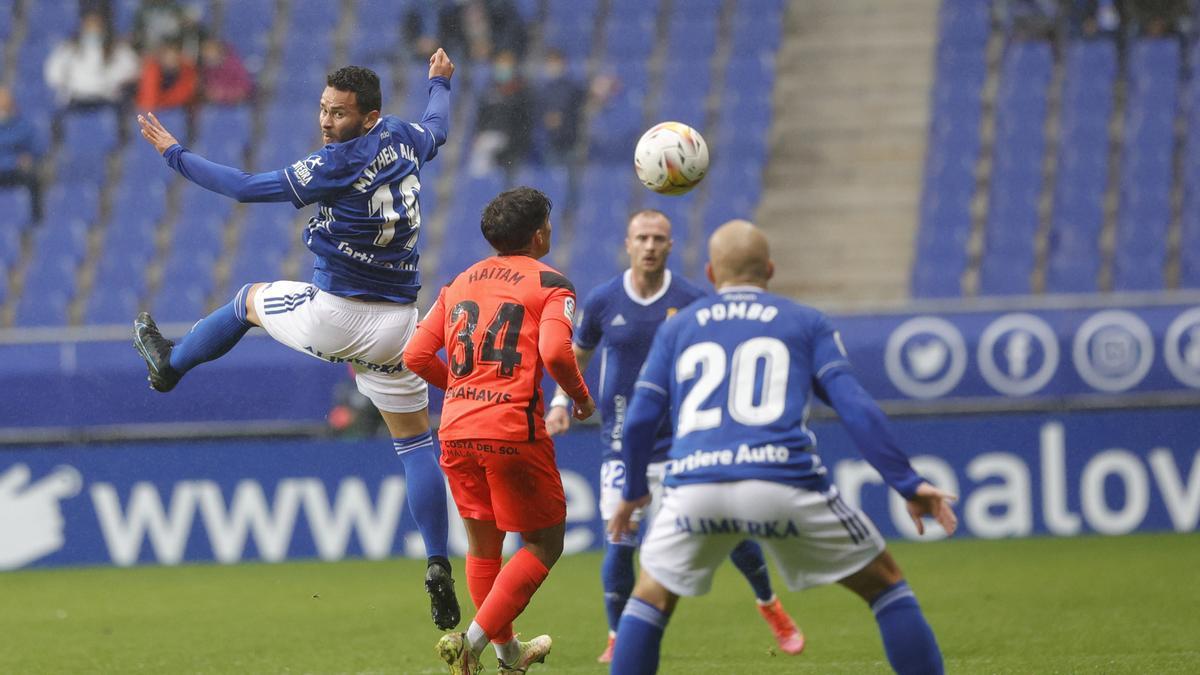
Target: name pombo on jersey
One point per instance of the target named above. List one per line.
(734, 309)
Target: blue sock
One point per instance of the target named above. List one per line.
(213, 335)
(616, 572)
(426, 490)
(748, 557)
(907, 638)
(639, 639)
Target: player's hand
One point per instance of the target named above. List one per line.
(440, 65)
(154, 132)
(584, 409)
(557, 420)
(935, 503)
(621, 526)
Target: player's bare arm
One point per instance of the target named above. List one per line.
(558, 419)
(621, 525)
(935, 503)
(155, 133)
(440, 65)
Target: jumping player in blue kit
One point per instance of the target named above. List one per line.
(359, 308)
(736, 373)
(619, 318)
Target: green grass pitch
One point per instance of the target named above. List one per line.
(1086, 605)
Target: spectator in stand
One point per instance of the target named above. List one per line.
(156, 22)
(168, 79)
(560, 106)
(481, 28)
(91, 69)
(419, 26)
(19, 150)
(505, 119)
(1031, 19)
(1095, 18)
(224, 79)
(1158, 18)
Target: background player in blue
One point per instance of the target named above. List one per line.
(619, 318)
(737, 372)
(359, 307)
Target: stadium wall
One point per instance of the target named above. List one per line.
(1022, 474)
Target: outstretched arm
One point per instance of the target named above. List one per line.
(872, 433)
(437, 112)
(226, 180)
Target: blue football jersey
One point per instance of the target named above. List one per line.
(739, 369)
(366, 228)
(621, 326)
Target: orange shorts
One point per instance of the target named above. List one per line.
(514, 483)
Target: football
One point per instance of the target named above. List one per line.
(671, 158)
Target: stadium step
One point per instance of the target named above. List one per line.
(846, 164)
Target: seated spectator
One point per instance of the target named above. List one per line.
(1095, 18)
(157, 22)
(223, 77)
(168, 79)
(19, 150)
(1030, 19)
(419, 26)
(92, 68)
(560, 106)
(505, 120)
(1158, 18)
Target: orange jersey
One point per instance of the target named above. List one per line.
(502, 321)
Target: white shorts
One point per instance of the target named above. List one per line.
(815, 538)
(612, 482)
(370, 336)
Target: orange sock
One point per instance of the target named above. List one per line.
(515, 585)
(481, 576)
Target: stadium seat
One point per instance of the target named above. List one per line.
(110, 306)
(42, 308)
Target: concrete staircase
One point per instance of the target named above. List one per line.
(843, 183)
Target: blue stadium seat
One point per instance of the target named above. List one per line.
(756, 32)
(17, 210)
(179, 301)
(10, 244)
(48, 308)
(72, 202)
(1138, 273)
(110, 306)
(967, 21)
(634, 10)
(692, 34)
(1072, 274)
(252, 266)
(630, 38)
(571, 35)
(226, 123)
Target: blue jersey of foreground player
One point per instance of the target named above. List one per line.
(738, 371)
(368, 219)
(621, 326)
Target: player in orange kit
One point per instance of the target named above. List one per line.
(501, 321)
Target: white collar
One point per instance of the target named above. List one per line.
(742, 289)
(646, 302)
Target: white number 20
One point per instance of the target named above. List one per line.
(710, 360)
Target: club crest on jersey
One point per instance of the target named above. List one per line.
(569, 309)
(671, 311)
